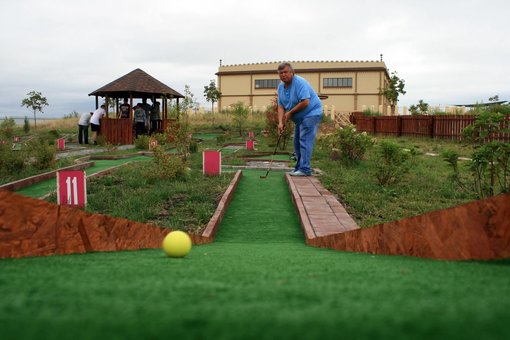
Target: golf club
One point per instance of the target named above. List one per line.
(274, 153)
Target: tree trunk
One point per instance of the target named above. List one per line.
(35, 122)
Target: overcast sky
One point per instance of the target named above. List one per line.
(448, 52)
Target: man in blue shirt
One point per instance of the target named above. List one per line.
(297, 101)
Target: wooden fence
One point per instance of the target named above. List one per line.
(119, 131)
(435, 126)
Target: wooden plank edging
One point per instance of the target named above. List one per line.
(212, 227)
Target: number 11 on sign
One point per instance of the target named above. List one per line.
(71, 188)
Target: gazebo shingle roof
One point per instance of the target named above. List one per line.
(136, 82)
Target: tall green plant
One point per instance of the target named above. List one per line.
(26, 125)
(391, 163)
(7, 128)
(239, 114)
(351, 144)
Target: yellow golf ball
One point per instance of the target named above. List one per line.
(177, 244)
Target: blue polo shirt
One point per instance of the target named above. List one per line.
(297, 91)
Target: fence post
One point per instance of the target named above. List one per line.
(399, 124)
(432, 126)
(373, 124)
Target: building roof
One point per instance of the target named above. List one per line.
(501, 102)
(304, 67)
(138, 84)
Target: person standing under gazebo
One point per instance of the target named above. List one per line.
(95, 124)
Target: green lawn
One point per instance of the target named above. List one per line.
(258, 280)
(42, 188)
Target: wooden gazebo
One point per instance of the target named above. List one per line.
(136, 84)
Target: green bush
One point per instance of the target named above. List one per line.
(390, 163)
(41, 153)
(490, 168)
(26, 125)
(193, 147)
(221, 139)
(486, 124)
(167, 166)
(142, 142)
(161, 138)
(351, 145)
(10, 161)
(7, 128)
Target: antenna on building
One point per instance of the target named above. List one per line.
(220, 62)
(381, 57)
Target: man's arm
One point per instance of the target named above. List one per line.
(281, 112)
(300, 106)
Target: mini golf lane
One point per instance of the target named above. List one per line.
(261, 211)
(45, 187)
(257, 280)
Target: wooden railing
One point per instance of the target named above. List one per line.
(435, 126)
(119, 131)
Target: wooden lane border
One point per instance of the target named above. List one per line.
(212, 227)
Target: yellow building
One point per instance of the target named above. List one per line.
(348, 85)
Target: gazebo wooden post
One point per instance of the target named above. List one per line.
(97, 103)
(131, 104)
(116, 107)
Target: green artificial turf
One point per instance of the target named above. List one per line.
(257, 280)
(276, 157)
(42, 188)
(205, 135)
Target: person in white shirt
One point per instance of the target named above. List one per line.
(95, 123)
(83, 127)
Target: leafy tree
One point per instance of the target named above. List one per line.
(392, 91)
(7, 128)
(420, 109)
(35, 102)
(212, 94)
(239, 114)
(180, 131)
(494, 98)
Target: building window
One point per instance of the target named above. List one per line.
(266, 83)
(337, 82)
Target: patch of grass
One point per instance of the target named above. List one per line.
(426, 187)
(185, 203)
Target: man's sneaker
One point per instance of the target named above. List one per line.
(298, 173)
(291, 172)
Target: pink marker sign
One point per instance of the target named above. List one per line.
(211, 162)
(251, 135)
(71, 188)
(61, 144)
(250, 145)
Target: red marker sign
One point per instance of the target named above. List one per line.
(250, 145)
(72, 188)
(61, 143)
(211, 163)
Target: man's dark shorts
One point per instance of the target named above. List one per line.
(94, 127)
